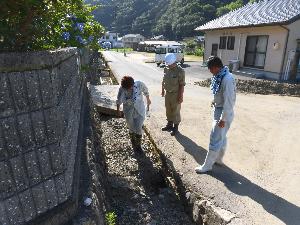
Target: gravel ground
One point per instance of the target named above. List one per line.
(263, 87)
(138, 192)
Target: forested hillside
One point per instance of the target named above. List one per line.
(174, 19)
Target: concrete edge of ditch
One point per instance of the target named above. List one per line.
(198, 207)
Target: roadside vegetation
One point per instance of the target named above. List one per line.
(261, 87)
(192, 47)
(37, 25)
(121, 49)
(175, 19)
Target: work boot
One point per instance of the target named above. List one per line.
(168, 127)
(133, 140)
(138, 146)
(175, 130)
(219, 160)
(210, 159)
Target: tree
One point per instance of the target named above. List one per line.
(182, 17)
(230, 7)
(48, 24)
(174, 19)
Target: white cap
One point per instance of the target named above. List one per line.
(170, 59)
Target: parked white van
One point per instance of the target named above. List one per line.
(161, 51)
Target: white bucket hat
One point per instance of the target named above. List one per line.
(170, 59)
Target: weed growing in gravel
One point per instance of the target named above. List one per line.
(111, 218)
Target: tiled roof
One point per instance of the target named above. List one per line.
(265, 12)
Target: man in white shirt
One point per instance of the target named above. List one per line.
(224, 91)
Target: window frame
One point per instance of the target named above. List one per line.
(223, 42)
(214, 49)
(230, 45)
(255, 52)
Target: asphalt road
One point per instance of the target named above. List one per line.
(260, 182)
(134, 64)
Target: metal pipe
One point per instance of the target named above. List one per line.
(285, 50)
(286, 73)
(239, 49)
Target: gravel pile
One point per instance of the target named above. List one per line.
(263, 87)
(138, 192)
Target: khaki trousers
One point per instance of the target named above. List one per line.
(172, 107)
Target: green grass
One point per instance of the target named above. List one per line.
(119, 49)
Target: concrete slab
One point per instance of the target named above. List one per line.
(105, 81)
(104, 98)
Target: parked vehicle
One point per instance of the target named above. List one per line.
(161, 51)
(106, 45)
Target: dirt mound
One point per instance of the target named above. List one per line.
(262, 87)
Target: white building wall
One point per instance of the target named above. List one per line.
(274, 57)
(294, 34)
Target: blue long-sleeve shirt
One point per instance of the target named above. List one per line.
(226, 97)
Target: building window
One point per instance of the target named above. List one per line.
(256, 51)
(230, 42)
(172, 50)
(214, 49)
(223, 43)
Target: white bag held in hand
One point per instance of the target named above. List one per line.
(148, 111)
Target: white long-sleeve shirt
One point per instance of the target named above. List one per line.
(133, 102)
(226, 97)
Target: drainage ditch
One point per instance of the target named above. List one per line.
(139, 190)
(127, 187)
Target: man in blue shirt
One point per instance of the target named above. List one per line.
(224, 96)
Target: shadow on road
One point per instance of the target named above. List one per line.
(192, 148)
(185, 65)
(282, 209)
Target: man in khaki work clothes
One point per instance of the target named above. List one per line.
(172, 89)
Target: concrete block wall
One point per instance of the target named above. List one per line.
(40, 110)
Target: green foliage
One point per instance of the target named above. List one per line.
(191, 44)
(230, 7)
(48, 24)
(199, 51)
(175, 19)
(111, 218)
(192, 48)
(182, 17)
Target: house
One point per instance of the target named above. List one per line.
(113, 38)
(158, 38)
(262, 37)
(132, 40)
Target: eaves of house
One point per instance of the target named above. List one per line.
(262, 13)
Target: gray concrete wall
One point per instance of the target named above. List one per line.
(40, 109)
